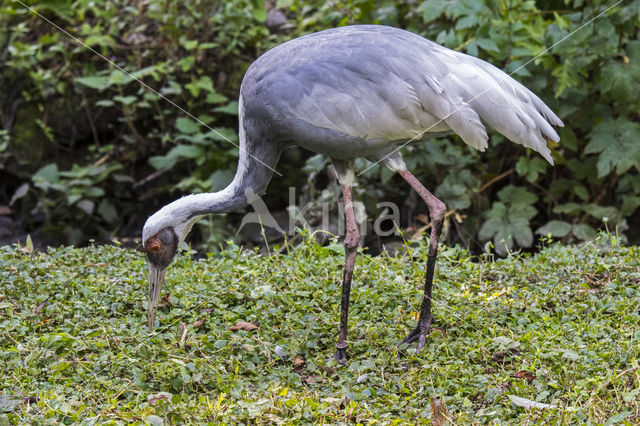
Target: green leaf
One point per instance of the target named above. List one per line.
(385, 175)
(584, 232)
(490, 228)
(231, 108)
(215, 98)
(162, 162)
(582, 169)
(101, 40)
(73, 198)
(120, 78)
(190, 44)
(631, 395)
(556, 228)
(620, 78)
(521, 211)
(617, 80)
(432, 9)
(629, 204)
(566, 75)
(186, 64)
(498, 211)
(105, 103)
(487, 44)
(568, 208)
(29, 243)
(456, 189)
(258, 11)
(87, 206)
(46, 175)
(9, 404)
(617, 143)
(604, 213)
(516, 195)
(178, 152)
(94, 192)
(568, 138)
(94, 82)
(154, 420)
(108, 211)
(187, 125)
(509, 220)
(503, 240)
(144, 72)
(531, 168)
(126, 100)
(617, 418)
(468, 21)
(185, 151)
(220, 179)
(521, 232)
(209, 45)
(223, 134)
(203, 83)
(582, 192)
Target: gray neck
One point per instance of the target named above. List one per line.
(257, 160)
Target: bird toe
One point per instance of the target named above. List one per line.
(341, 356)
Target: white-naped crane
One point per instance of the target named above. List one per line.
(356, 91)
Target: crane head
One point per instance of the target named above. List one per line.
(162, 233)
(160, 248)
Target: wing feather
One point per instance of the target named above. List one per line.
(502, 102)
(378, 83)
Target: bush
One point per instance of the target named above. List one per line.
(89, 152)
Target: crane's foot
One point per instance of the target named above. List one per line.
(341, 353)
(419, 333)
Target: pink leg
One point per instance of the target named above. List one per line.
(351, 241)
(437, 211)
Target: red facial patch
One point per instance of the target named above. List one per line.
(153, 245)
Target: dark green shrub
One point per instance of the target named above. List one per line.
(92, 152)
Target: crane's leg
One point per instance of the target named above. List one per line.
(351, 242)
(437, 211)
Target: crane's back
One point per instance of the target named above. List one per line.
(358, 91)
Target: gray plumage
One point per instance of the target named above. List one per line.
(362, 91)
(358, 91)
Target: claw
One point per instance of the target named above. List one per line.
(422, 340)
(341, 353)
(419, 333)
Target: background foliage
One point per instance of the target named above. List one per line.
(86, 152)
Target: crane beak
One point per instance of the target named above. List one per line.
(156, 277)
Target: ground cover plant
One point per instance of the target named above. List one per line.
(560, 327)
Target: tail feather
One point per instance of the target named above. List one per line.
(465, 121)
(505, 105)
